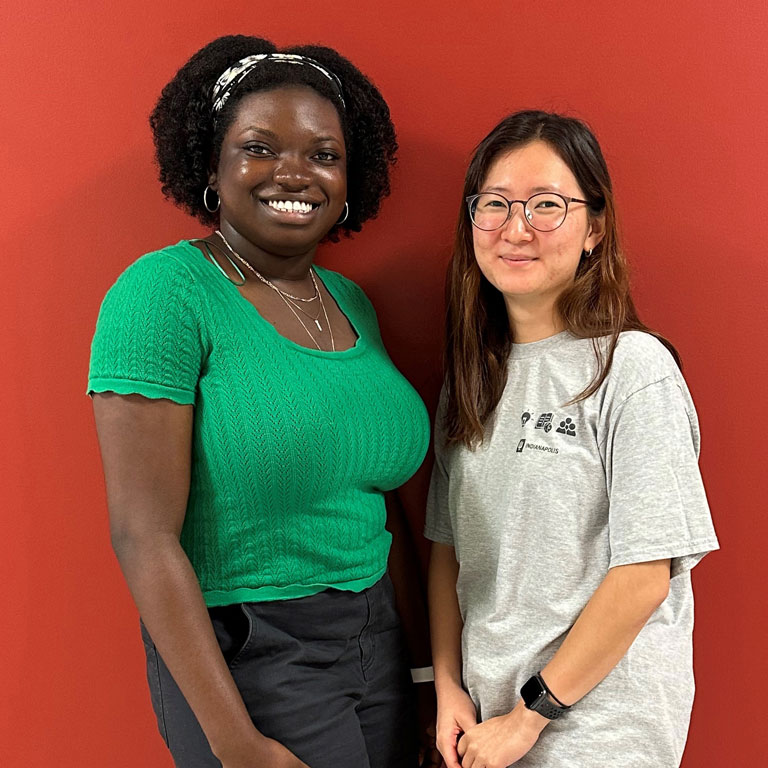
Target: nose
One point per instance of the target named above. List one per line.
(292, 173)
(515, 228)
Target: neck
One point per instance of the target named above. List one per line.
(533, 319)
(291, 268)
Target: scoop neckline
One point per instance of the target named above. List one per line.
(356, 349)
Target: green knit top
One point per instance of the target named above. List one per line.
(292, 448)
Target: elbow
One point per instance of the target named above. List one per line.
(659, 591)
(644, 586)
(131, 545)
(654, 591)
(125, 543)
(646, 600)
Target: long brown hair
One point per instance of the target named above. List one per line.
(598, 304)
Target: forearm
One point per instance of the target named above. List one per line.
(608, 625)
(444, 617)
(168, 596)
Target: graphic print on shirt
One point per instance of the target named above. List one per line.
(567, 427)
(545, 421)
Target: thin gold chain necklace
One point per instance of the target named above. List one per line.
(314, 318)
(289, 300)
(304, 325)
(263, 279)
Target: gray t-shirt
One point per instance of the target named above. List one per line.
(554, 497)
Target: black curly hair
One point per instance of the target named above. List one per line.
(187, 139)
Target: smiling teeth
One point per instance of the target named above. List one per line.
(294, 206)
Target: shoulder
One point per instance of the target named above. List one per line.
(168, 262)
(166, 273)
(338, 281)
(640, 360)
(156, 283)
(637, 349)
(344, 288)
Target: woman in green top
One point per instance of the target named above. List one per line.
(250, 422)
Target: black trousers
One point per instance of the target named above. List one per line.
(325, 675)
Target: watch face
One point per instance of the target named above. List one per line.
(532, 692)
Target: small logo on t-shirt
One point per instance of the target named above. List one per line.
(525, 418)
(544, 422)
(567, 427)
(529, 446)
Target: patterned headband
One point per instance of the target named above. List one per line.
(233, 76)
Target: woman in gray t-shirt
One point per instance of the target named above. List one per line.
(566, 504)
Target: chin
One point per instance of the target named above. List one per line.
(518, 288)
(288, 244)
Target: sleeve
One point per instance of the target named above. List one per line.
(438, 521)
(658, 507)
(148, 338)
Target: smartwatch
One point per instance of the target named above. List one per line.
(535, 695)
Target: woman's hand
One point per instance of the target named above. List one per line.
(265, 753)
(501, 741)
(456, 714)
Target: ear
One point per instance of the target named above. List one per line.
(212, 178)
(595, 233)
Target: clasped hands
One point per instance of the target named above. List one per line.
(495, 743)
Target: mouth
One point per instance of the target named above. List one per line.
(518, 260)
(291, 210)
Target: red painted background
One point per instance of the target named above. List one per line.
(676, 94)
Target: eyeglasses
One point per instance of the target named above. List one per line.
(544, 211)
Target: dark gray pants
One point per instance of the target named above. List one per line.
(324, 675)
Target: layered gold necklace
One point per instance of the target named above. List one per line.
(291, 301)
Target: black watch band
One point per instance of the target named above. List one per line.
(535, 695)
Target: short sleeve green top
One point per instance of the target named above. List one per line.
(292, 448)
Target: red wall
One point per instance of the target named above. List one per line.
(676, 94)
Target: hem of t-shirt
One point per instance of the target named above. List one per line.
(218, 598)
(441, 537)
(145, 388)
(687, 555)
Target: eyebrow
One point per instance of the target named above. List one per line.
(256, 129)
(534, 190)
(273, 135)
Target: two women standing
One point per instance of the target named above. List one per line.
(250, 422)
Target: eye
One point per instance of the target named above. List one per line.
(547, 203)
(326, 156)
(257, 149)
(492, 202)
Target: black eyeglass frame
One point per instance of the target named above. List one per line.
(567, 200)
